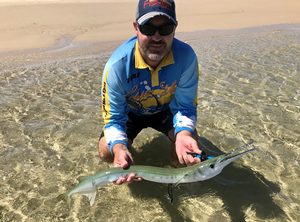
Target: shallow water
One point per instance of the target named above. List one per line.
(249, 89)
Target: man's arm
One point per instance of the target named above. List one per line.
(184, 107)
(115, 117)
(113, 109)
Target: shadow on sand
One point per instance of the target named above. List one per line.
(239, 187)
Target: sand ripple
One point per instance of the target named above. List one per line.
(249, 89)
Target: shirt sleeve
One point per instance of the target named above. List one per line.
(113, 108)
(184, 104)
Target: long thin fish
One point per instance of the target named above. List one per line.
(198, 172)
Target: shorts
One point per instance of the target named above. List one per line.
(162, 122)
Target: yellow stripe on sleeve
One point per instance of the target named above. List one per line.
(105, 100)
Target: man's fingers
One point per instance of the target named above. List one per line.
(188, 159)
(197, 150)
(120, 180)
(196, 160)
(181, 159)
(124, 161)
(130, 177)
(185, 158)
(133, 177)
(127, 179)
(137, 179)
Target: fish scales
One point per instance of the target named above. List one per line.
(198, 172)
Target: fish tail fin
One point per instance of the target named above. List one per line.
(69, 200)
(91, 195)
(68, 197)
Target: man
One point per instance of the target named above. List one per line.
(150, 81)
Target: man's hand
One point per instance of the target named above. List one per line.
(185, 144)
(123, 158)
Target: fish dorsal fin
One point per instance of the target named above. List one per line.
(91, 195)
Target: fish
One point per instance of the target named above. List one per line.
(174, 176)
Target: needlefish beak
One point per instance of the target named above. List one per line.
(232, 156)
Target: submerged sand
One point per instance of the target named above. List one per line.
(248, 90)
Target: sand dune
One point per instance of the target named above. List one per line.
(32, 24)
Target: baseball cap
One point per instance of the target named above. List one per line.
(148, 9)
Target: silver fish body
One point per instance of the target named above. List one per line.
(198, 172)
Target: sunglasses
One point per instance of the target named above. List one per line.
(163, 30)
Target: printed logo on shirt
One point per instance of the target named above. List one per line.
(144, 99)
(105, 101)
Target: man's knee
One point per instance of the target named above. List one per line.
(103, 150)
(171, 135)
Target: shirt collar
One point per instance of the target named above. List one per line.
(141, 64)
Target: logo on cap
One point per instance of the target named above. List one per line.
(162, 3)
(148, 9)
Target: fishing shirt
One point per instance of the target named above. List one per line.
(131, 85)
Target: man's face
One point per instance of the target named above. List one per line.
(155, 47)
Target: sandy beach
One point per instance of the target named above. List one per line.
(33, 24)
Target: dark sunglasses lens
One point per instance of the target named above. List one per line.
(150, 30)
(147, 30)
(166, 29)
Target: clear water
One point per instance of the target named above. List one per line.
(249, 89)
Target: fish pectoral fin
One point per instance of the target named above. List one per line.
(180, 180)
(91, 195)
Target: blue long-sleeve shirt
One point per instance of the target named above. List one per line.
(130, 85)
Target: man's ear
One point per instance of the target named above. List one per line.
(176, 24)
(135, 25)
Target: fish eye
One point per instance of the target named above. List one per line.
(212, 166)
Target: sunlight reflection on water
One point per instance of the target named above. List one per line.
(248, 89)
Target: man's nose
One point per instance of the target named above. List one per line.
(156, 36)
